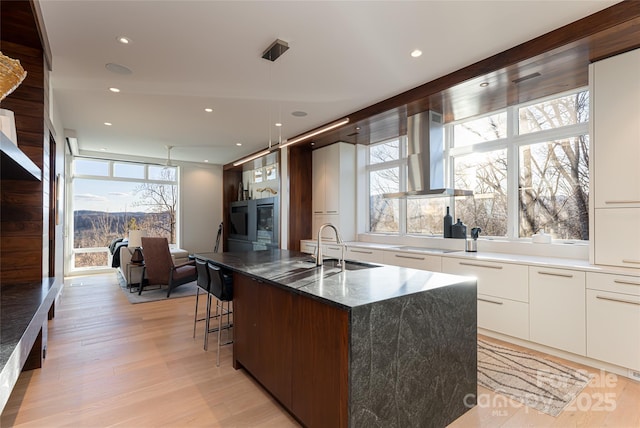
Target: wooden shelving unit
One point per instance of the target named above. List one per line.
(15, 164)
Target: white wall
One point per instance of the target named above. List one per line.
(200, 206)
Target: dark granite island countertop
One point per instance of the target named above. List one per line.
(410, 351)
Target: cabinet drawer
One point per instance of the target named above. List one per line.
(617, 237)
(509, 281)
(504, 316)
(364, 254)
(626, 284)
(332, 251)
(613, 328)
(413, 260)
(307, 247)
(557, 308)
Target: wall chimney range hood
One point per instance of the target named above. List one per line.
(425, 159)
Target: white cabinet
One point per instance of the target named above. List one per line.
(334, 190)
(557, 308)
(615, 142)
(616, 236)
(503, 294)
(506, 280)
(413, 260)
(332, 251)
(308, 247)
(364, 254)
(615, 109)
(613, 319)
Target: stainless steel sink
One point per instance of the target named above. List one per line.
(333, 263)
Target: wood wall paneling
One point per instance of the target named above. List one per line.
(300, 194)
(230, 180)
(23, 204)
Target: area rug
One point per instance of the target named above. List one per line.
(154, 294)
(538, 383)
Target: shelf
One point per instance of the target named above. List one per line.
(15, 164)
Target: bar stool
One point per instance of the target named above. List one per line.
(202, 284)
(221, 287)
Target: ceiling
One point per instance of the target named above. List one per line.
(186, 56)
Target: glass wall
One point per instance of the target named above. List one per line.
(108, 198)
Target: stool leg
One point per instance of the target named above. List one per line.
(219, 335)
(195, 317)
(206, 323)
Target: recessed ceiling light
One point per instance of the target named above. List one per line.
(108, 123)
(206, 161)
(116, 90)
(208, 109)
(278, 124)
(484, 84)
(104, 149)
(117, 68)
(416, 53)
(357, 128)
(124, 40)
(238, 144)
(299, 113)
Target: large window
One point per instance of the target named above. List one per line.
(111, 197)
(527, 166)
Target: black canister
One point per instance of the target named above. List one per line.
(459, 230)
(448, 221)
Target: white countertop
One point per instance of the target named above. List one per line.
(549, 262)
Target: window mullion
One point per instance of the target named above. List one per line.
(513, 166)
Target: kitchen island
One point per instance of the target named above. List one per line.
(374, 345)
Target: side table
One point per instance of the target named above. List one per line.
(138, 269)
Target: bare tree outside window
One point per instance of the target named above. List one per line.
(554, 175)
(160, 201)
(486, 175)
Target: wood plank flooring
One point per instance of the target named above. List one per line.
(110, 363)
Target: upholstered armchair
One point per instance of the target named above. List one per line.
(160, 268)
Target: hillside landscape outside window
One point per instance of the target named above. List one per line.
(527, 165)
(111, 197)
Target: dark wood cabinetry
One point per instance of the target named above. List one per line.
(296, 347)
(262, 334)
(321, 363)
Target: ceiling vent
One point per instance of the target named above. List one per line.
(276, 49)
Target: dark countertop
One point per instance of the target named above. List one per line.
(366, 283)
(23, 311)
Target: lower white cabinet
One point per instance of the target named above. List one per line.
(503, 293)
(503, 315)
(616, 238)
(506, 280)
(613, 319)
(557, 308)
(332, 251)
(364, 254)
(308, 247)
(413, 260)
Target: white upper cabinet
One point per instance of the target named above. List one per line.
(615, 172)
(615, 115)
(334, 189)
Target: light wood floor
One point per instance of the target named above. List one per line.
(110, 363)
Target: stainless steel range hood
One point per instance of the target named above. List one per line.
(425, 157)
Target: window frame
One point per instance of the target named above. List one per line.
(511, 143)
(71, 254)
